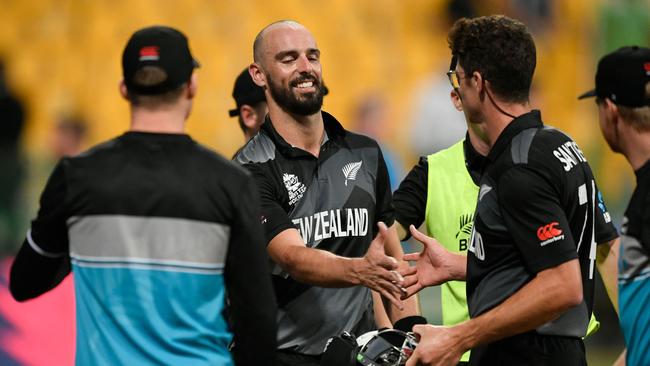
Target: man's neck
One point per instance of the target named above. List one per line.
(158, 121)
(304, 132)
(637, 147)
(479, 145)
(496, 122)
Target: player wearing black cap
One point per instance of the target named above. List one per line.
(251, 104)
(623, 97)
(532, 255)
(156, 229)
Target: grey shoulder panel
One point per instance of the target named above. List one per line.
(258, 150)
(520, 145)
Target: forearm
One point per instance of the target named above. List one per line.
(322, 268)
(402, 231)
(33, 274)
(379, 307)
(393, 248)
(543, 299)
(607, 263)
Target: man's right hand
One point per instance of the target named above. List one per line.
(434, 265)
(378, 271)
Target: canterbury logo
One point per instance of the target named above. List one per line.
(550, 231)
(350, 171)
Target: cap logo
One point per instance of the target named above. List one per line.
(149, 53)
(646, 66)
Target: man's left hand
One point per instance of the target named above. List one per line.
(438, 346)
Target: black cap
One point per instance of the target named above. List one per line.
(246, 91)
(159, 46)
(622, 77)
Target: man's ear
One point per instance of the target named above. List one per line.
(248, 116)
(611, 111)
(259, 78)
(193, 85)
(455, 100)
(123, 91)
(478, 82)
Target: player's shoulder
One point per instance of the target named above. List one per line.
(226, 170)
(535, 145)
(357, 140)
(545, 150)
(258, 149)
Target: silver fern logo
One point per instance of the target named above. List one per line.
(350, 171)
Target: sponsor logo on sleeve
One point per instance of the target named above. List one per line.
(603, 209)
(549, 233)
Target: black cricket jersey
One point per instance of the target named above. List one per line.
(334, 201)
(158, 229)
(538, 207)
(634, 271)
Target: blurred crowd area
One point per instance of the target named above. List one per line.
(384, 62)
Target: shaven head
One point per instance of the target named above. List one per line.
(287, 65)
(259, 45)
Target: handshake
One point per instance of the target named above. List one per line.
(396, 281)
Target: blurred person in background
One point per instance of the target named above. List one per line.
(434, 123)
(623, 97)
(326, 205)
(68, 137)
(371, 119)
(251, 105)
(12, 165)
(156, 229)
(532, 251)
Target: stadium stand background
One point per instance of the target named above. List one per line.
(63, 57)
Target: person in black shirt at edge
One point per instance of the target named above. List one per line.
(325, 195)
(530, 266)
(623, 97)
(158, 228)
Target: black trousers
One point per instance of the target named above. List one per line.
(531, 349)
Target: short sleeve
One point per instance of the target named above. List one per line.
(534, 217)
(273, 217)
(49, 231)
(604, 228)
(385, 211)
(645, 231)
(410, 199)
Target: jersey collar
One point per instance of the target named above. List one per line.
(523, 122)
(473, 160)
(643, 171)
(333, 130)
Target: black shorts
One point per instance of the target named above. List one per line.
(531, 349)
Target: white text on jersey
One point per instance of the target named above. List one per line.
(569, 154)
(333, 224)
